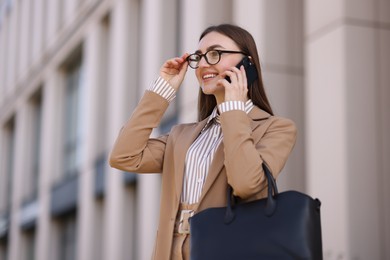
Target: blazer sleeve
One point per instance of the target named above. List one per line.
(134, 150)
(246, 149)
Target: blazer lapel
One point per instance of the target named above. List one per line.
(184, 140)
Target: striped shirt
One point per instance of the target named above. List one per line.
(201, 152)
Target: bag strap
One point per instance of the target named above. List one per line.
(271, 202)
(272, 191)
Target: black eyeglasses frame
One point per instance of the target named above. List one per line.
(220, 52)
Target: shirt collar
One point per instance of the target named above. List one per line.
(213, 115)
(248, 106)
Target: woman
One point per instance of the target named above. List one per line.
(236, 133)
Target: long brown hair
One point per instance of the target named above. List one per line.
(246, 43)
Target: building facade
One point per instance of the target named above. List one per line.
(71, 72)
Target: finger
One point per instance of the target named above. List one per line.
(238, 73)
(232, 76)
(185, 55)
(244, 78)
(223, 82)
(183, 68)
(182, 59)
(174, 62)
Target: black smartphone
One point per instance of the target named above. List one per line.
(250, 69)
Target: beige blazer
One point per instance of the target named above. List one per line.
(248, 140)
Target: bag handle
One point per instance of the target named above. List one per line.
(271, 202)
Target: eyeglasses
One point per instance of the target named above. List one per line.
(212, 57)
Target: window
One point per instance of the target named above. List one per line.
(7, 162)
(68, 239)
(6, 169)
(28, 252)
(65, 247)
(36, 146)
(73, 134)
(3, 249)
(32, 177)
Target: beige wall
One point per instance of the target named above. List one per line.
(346, 121)
(325, 64)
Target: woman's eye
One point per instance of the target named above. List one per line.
(214, 54)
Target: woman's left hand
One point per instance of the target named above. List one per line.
(237, 89)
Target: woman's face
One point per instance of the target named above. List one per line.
(208, 75)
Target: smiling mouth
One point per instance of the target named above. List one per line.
(209, 76)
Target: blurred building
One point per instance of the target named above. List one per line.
(71, 72)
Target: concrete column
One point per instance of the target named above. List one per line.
(344, 116)
(12, 47)
(69, 11)
(148, 186)
(122, 79)
(194, 17)
(383, 53)
(190, 30)
(23, 40)
(86, 214)
(278, 32)
(21, 128)
(51, 108)
(51, 28)
(3, 47)
(158, 43)
(38, 31)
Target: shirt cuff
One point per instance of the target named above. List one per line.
(231, 105)
(162, 88)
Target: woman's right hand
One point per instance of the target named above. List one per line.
(174, 70)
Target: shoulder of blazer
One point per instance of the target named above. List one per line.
(261, 117)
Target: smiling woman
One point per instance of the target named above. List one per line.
(236, 133)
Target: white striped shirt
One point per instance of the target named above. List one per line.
(162, 87)
(201, 152)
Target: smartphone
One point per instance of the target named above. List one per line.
(250, 70)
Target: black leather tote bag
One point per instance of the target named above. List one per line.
(284, 225)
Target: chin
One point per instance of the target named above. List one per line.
(211, 90)
(206, 91)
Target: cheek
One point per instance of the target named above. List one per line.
(227, 65)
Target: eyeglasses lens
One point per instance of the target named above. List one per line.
(212, 57)
(193, 60)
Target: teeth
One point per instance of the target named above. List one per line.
(208, 76)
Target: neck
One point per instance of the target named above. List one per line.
(219, 98)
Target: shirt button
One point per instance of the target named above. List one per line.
(199, 180)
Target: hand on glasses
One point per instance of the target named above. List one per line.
(174, 70)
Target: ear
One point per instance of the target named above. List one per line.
(250, 60)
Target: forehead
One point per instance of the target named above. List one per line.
(216, 39)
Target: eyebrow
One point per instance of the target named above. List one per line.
(212, 47)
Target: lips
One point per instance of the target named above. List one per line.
(209, 76)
